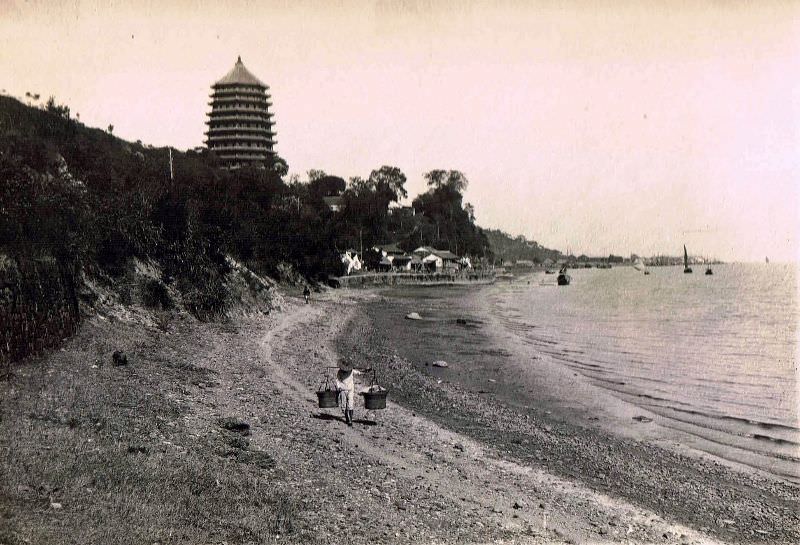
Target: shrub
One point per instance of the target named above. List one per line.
(156, 295)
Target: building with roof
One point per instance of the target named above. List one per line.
(334, 202)
(240, 127)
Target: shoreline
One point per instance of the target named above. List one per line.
(372, 280)
(628, 465)
(139, 454)
(487, 359)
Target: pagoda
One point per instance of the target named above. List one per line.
(240, 123)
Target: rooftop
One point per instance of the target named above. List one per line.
(239, 75)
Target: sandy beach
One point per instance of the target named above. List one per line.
(212, 434)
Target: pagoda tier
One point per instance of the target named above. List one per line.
(245, 132)
(240, 123)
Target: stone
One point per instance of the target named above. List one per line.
(119, 358)
(413, 316)
(440, 363)
(237, 441)
(235, 425)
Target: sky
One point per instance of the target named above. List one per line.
(597, 127)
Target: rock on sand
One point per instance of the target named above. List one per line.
(440, 363)
(413, 316)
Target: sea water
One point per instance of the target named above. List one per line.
(713, 356)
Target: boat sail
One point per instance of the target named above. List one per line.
(639, 265)
(563, 279)
(686, 267)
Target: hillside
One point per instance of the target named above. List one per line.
(509, 248)
(87, 218)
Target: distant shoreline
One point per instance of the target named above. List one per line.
(368, 280)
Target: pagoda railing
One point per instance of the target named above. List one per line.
(235, 137)
(239, 98)
(238, 128)
(215, 117)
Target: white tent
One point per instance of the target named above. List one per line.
(351, 261)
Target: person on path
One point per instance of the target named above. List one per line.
(347, 388)
(306, 294)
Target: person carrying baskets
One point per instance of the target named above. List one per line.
(346, 387)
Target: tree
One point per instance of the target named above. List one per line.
(454, 179)
(389, 182)
(447, 222)
(358, 186)
(327, 186)
(315, 174)
(58, 109)
(470, 210)
(279, 166)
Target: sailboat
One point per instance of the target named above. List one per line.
(563, 278)
(709, 272)
(767, 260)
(639, 266)
(686, 267)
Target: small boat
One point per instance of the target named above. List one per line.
(709, 271)
(563, 278)
(638, 264)
(686, 268)
(548, 271)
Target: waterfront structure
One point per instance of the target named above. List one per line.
(334, 202)
(240, 127)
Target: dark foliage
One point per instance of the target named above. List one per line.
(93, 200)
(445, 221)
(155, 295)
(508, 248)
